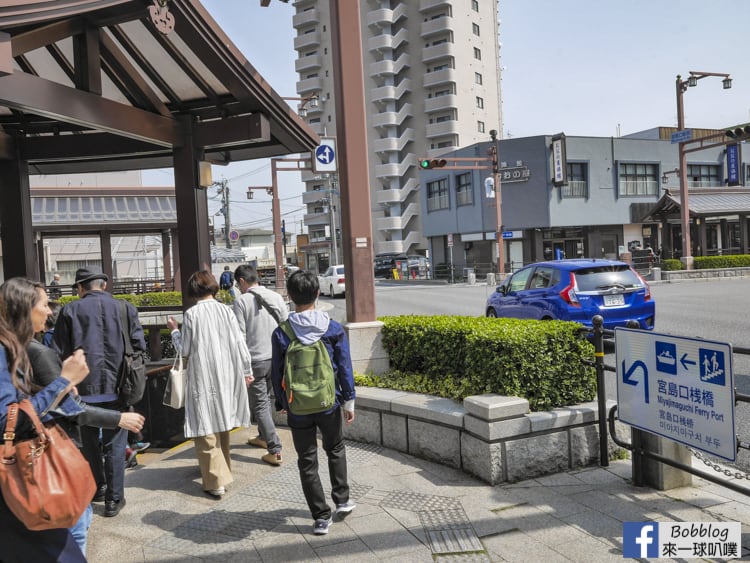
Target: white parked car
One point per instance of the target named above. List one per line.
(332, 281)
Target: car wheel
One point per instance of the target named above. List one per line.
(491, 313)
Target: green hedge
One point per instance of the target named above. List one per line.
(709, 262)
(158, 299)
(457, 357)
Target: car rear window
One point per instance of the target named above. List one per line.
(340, 271)
(602, 278)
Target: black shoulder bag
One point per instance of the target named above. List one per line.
(131, 381)
(263, 303)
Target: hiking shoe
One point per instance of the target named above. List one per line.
(258, 442)
(140, 446)
(113, 507)
(320, 528)
(101, 493)
(272, 459)
(345, 507)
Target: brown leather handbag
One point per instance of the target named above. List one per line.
(45, 481)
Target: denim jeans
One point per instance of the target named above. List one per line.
(260, 404)
(110, 470)
(80, 529)
(304, 434)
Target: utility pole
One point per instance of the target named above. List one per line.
(223, 188)
(495, 153)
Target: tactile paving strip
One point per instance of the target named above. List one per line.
(449, 531)
(416, 502)
(463, 558)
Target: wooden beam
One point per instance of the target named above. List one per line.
(232, 131)
(87, 61)
(46, 35)
(85, 146)
(49, 99)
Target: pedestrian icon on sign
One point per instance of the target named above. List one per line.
(712, 366)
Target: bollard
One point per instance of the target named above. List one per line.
(656, 273)
(491, 279)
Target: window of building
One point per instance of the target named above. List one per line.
(480, 126)
(578, 185)
(477, 53)
(443, 118)
(480, 102)
(477, 78)
(638, 179)
(313, 75)
(475, 29)
(446, 144)
(464, 191)
(440, 67)
(443, 93)
(437, 195)
(311, 53)
(314, 120)
(440, 41)
(475, 5)
(704, 176)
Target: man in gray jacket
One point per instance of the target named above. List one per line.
(259, 311)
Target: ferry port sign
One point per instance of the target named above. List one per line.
(679, 388)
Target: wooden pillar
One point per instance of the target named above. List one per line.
(19, 247)
(154, 343)
(743, 234)
(176, 261)
(105, 248)
(40, 259)
(724, 230)
(702, 238)
(192, 211)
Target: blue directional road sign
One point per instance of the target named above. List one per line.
(325, 155)
(681, 136)
(679, 388)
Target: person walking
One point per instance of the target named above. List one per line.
(309, 326)
(259, 311)
(93, 323)
(54, 289)
(19, 543)
(219, 369)
(26, 308)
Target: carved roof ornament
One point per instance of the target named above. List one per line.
(161, 16)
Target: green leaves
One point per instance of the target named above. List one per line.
(460, 356)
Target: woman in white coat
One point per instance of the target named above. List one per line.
(218, 373)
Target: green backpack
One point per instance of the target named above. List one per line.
(309, 381)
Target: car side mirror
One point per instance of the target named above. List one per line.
(502, 289)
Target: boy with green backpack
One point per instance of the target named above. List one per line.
(313, 383)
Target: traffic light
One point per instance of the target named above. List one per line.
(428, 163)
(739, 133)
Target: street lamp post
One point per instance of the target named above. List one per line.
(682, 85)
(495, 152)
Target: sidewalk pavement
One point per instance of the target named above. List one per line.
(408, 510)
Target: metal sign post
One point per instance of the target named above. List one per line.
(679, 388)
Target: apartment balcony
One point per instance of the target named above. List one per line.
(391, 118)
(308, 63)
(437, 52)
(437, 26)
(439, 77)
(318, 127)
(385, 17)
(396, 223)
(388, 67)
(440, 103)
(314, 196)
(391, 93)
(397, 196)
(307, 17)
(307, 41)
(401, 246)
(442, 129)
(387, 42)
(313, 219)
(393, 144)
(427, 5)
(395, 169)
(309, 85)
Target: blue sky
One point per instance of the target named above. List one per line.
(583, 67)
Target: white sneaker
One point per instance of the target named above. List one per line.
(217, 492)
(345, 507)
(321, 525)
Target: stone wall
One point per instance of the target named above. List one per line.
(493, 437)
(708, 274)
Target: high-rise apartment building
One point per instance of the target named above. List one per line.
(432, 83)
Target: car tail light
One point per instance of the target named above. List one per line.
(340, 280)
(647, 295)
(569, 292)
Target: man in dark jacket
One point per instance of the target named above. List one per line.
(93, 323)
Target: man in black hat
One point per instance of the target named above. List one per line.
(93, 323)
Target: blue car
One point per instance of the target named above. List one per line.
(575, 290)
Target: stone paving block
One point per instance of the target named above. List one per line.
(434, 442)
(385, 536)
(286, 548)
(618, 507)
(492, 407)
(548, 529)
(697, 497)
(432, 409)
(597, 476)
(463, 558)
(584, 446)
(595, 523)
(346, 552)
(539, 455)
(367, 427)
(380, 399)
(589, 549)
(394, 432)
(518, 547)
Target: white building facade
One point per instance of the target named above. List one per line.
(432, 83)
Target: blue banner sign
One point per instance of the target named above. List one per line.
(733, 165)
(682, 136)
